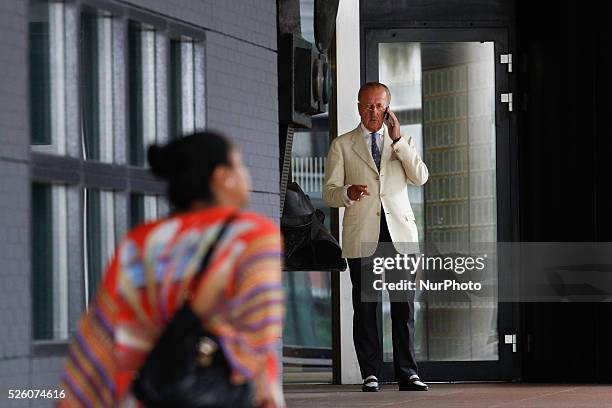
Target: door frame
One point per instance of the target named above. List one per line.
(507, 367)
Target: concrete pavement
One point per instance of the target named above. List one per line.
(465, 395)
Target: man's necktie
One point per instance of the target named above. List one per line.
(375, 151)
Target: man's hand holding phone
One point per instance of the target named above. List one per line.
(357, 191)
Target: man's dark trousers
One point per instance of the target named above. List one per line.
(365, 330)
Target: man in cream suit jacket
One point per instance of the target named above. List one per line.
(368, 171)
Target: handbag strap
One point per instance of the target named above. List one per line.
(204, 262)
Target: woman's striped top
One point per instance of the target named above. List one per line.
(239, 298)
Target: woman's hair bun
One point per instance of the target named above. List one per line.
(160, 161)
(187, 164)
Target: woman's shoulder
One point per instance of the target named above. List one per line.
(219, 214)
(249, 224)
(259, 220)
(140, 232)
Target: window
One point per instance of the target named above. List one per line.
(47, 73)
(99, 237)
(143, 208)
(182, 87)
(142, 77)
(307, 20)
(49, 263)
(97, 86)
(307, 333)
(119, 106)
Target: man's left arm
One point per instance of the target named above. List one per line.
(403, 148)
(414, 167)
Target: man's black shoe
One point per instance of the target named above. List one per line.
(414, 383)
(370, 384)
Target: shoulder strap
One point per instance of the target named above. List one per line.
(194, 281)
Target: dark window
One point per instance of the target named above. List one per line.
(142, 99)
(42, 261)
(90, 95)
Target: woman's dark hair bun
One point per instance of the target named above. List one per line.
(160, 161)
(187, 164)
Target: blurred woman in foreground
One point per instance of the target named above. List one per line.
(238, 298)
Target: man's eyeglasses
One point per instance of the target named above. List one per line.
(376, 107)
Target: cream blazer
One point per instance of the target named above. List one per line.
(349, 161)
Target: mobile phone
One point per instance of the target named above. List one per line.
(388, 118)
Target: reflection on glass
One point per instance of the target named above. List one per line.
(143, 208)
(96, 86)
(42, 263)
(309, 152)
(47, 76)
(307, 19)
(99, 236)
(182, 87)
(307, 342)
(307, 339)
(142, 106)
(444, 97)
(49, 265)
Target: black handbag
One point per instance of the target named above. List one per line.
(186, 367)
(308, 244)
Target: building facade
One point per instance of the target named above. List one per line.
(85, 87)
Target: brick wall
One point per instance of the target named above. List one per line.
(243, 102)
(14, 202)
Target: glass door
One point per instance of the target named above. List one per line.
(446, 87)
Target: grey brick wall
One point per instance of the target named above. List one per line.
(252, 21)
(15, 374)
(14, 129)
(15, 259)
(14, 202)
(45, 375)
(241, 101)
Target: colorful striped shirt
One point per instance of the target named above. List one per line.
(239, 298)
